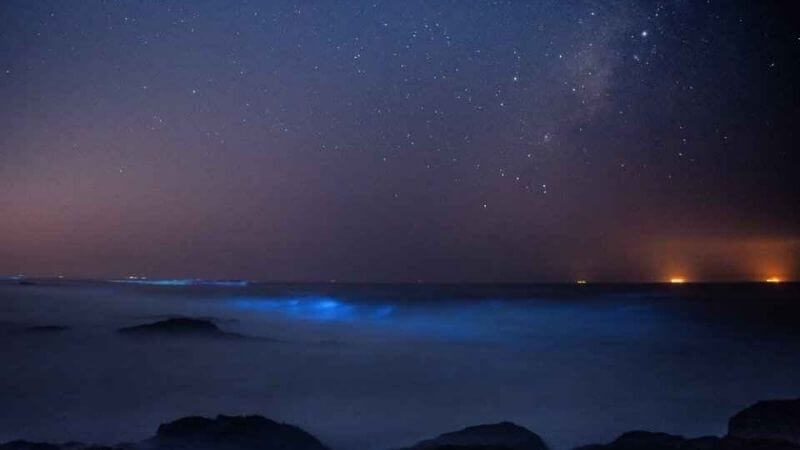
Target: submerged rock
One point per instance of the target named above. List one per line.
(25, 445)
(503, 435)
(232, 433)
(179, 326)
(772, 419)
(47, 328)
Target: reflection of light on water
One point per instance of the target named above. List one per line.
(314, 308)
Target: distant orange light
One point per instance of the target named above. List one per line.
(773, 280)
(677, 280)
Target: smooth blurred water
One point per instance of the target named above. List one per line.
(381, 366)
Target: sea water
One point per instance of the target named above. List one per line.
(382, 366)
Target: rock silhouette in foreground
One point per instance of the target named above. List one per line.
(645, 440)
(179, 326)
(503, 435)
(201, 433)
(231, 433)
(769, 425)
(772, 419)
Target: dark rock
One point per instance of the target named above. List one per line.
(200, 433)
(25, 445)
(503, 435)
(232, 433)
(634, 440)
(707, 443)
(644, 440)
(47, 328)
(771, 420)
(80, 446)
(179, 326)
(729, 443)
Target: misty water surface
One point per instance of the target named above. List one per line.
(381, 366)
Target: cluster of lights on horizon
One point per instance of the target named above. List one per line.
(683, 280)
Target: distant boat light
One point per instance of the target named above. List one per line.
(581, 281)
(773, 280)
(677, 280)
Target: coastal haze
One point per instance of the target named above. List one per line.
(384, 366)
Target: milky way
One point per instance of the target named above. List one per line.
(399, 141)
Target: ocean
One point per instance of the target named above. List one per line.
(380, 366)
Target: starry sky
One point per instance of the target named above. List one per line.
(412, 140)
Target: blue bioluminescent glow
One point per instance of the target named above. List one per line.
(184, 282)
(314, 308)
(384, 311)
(490, 320)
(452, 325)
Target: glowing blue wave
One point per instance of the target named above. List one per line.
(314, 308)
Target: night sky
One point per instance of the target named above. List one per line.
(405, 140)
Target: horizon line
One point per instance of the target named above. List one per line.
(577, 282)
